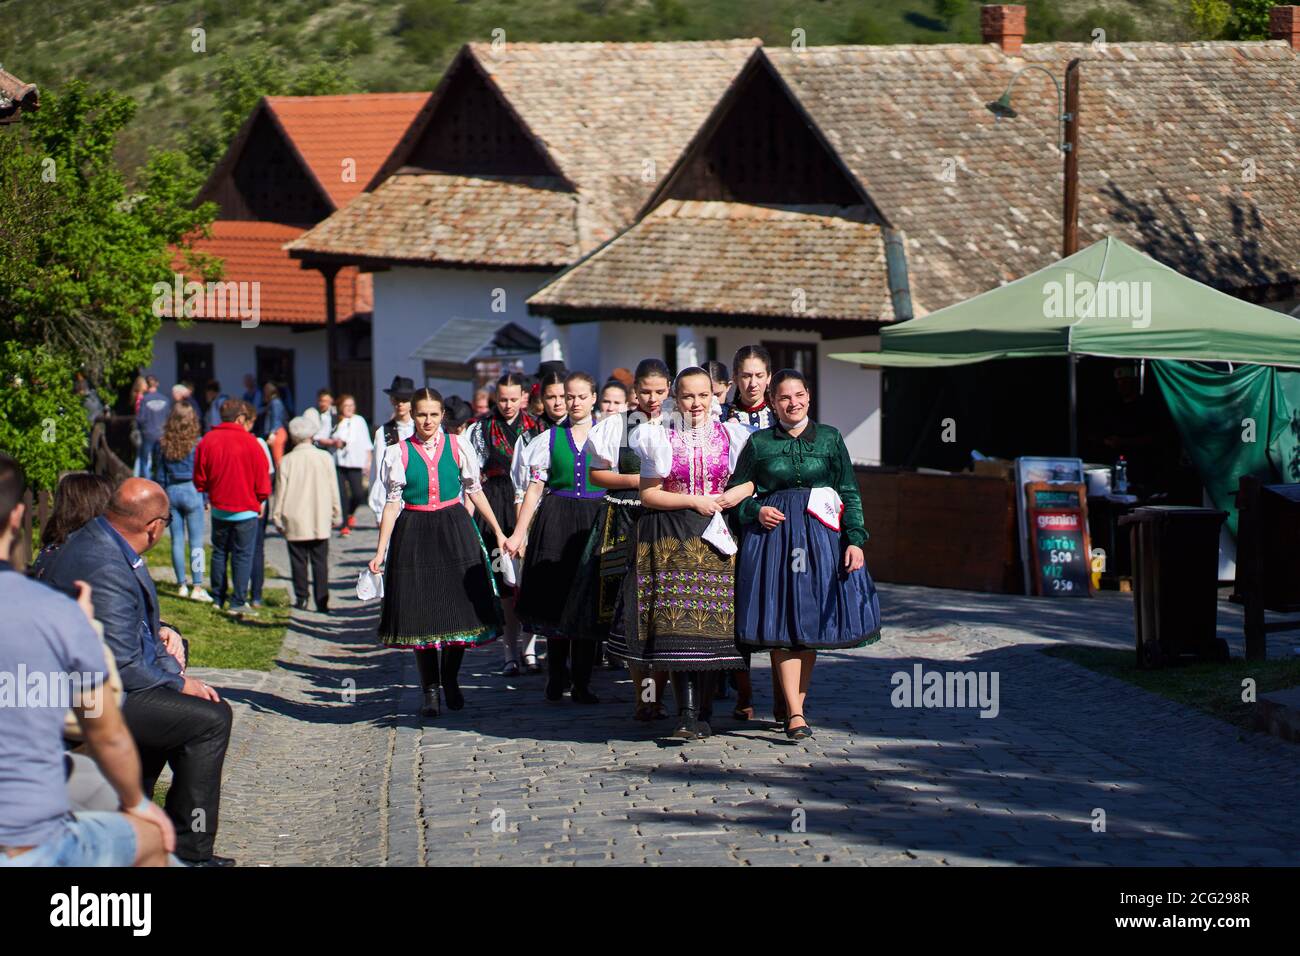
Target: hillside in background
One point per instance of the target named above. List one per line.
(145, 49)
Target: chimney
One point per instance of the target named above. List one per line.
(1284, 24)
(1004, 24)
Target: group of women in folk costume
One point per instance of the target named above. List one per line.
(629, 542)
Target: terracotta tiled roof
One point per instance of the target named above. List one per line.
(432, 217)
(288, 294)
(327, 130)
(613, 117)
(15, 95)
(1166, 132)
(724, 258)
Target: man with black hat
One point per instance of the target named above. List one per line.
(397, 428)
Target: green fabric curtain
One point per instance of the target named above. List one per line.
(1234, 423)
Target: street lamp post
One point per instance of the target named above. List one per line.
(1067, 116)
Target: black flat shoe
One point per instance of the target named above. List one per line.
(797, 733)
(455, 699)
(554, 692)
(582, 695)
(431, 706)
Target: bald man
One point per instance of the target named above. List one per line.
(175, 719)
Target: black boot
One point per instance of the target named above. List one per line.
(704, 702)
(451, 658)
(583, 655)
(688, 717)
(431, 707)
(557, 667)
(426, 662)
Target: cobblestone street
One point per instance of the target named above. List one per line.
(330, 763)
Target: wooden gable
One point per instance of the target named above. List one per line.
(759, 147)
(264, 178)
(472, 131)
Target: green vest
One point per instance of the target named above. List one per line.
(444, 477)
(569, 472)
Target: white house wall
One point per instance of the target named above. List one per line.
(849, 397)
(413, 303)
(234, 355)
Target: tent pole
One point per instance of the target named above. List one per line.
(1074, 405)
(1070, 217)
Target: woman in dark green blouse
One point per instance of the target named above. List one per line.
(801, 578)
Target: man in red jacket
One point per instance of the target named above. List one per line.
(230, 468)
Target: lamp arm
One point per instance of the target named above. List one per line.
(1061, 118)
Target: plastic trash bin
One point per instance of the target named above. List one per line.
(1175, 583)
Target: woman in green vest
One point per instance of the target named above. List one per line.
(558, 467)
(439, 594)
(593, 609)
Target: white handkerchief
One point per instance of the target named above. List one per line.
(719, 535)
(508, 573)
(826, 506)
(369, 586)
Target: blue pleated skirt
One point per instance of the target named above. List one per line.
(792, 592)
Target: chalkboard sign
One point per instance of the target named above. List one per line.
(1059, 549)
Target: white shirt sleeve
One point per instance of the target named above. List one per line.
(650, 441)
(737, 436)
(469, 469)
(361, 430)
(378, 493)
(392, 475)
(537, 458)
(519, 469)
(603, 442)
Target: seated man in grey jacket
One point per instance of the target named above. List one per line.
(175, 719)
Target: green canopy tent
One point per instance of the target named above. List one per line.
(1110, 300)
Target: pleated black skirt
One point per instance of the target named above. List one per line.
(678, 611)
(589, 611)
(438, 588)
(555, 545)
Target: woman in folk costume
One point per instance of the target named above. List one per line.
(549, 393)
(558, 467)
(678, 612)
(593, 606)
(801, 579)
(752, 367)
(494, 437)
(439, 595)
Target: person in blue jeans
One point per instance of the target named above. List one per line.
(231, 468)
(150, 418)
(175, 472)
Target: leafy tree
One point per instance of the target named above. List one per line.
(1250, 19)
(1208, 18)
(81, 256)
(241, 81)
(948, 10)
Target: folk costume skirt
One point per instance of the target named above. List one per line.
(438, 587)
(677, 598)
(500, 493)
(589, 611)
(792, 592)
(555, 545)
